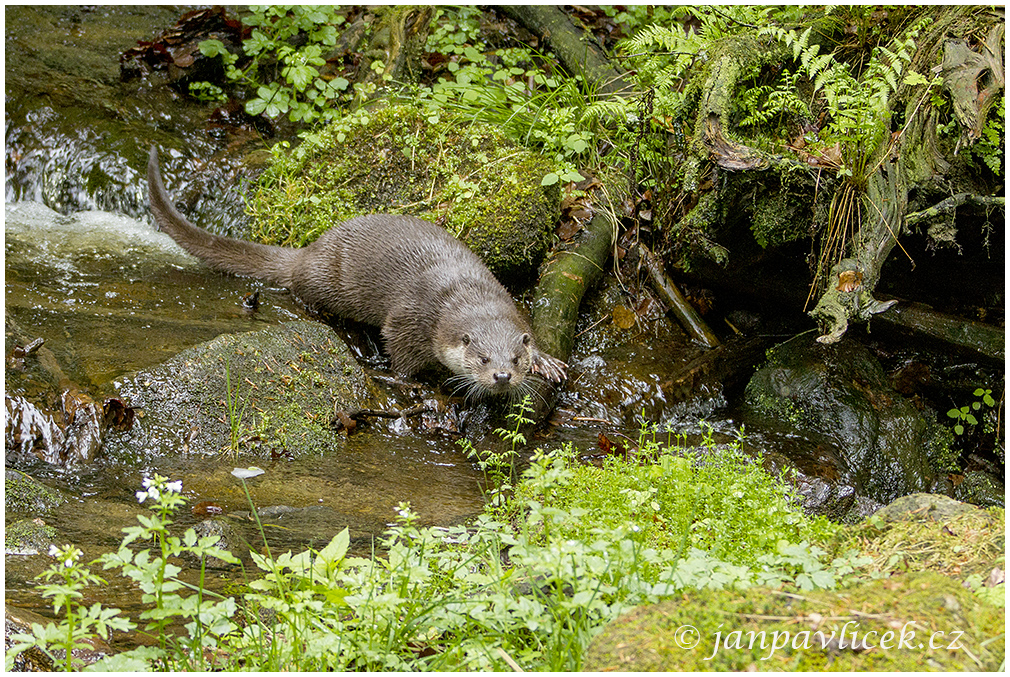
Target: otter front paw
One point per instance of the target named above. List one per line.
(549, 367)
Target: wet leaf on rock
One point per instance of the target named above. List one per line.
(118, 415)
(207, 508)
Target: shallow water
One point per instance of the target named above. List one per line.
(111, 296)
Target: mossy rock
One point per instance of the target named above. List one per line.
(936, 507)
(283, 382)
(28, 537)
(981, 488)
(840, 397)
(910, 622)
(928, 532)
(468, 177)
(27, 496)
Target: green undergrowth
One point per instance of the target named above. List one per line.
(526, 585)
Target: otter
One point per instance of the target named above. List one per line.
(433, 298)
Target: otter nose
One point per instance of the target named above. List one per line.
(502, 377)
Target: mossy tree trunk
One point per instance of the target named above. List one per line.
(905, 161)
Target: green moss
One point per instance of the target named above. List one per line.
(923, 532)
(25, 495)
(764, 629)
(28, 537)
(391, 160)
(283, 380)
(780, 217)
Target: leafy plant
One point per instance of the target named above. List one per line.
(235, 415)
(525, 592)
(158, 578)
(964, 414)
(990, 147)
(79, 623)
(498, 466)
(295, 88)
(857, 105)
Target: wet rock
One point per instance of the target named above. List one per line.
(981, 488)
(20, 621)
(28, 537)
(816, 473)
(70, 435)
(27, 496)
(764, 629)
(314, 525)
(266, 391)
(840, 396)
(228, 539)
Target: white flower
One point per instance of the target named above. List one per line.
(53, 550)
(141, 496)
(175, 487)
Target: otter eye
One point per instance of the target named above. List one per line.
(484, 359)
(515, 360)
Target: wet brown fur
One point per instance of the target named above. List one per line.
(433, 298)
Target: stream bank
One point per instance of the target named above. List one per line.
(119, 306)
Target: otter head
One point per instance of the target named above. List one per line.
(491, 359)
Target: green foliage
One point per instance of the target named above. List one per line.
(154, 571)
(665, 53)
(235, 414)
(79, 623)
(993, 595)
(964, 414)
(990, 147)
(500, 594)
(857, 104)
(715, 500)
(498, 466)
(523, 94)
(765, 102)
(285, 78)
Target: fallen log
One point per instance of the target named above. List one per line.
(559, 293)
(984, 339)
(576, 51)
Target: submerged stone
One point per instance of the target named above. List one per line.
(28, 537)
(27, 496)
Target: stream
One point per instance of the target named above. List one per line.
(86, 271)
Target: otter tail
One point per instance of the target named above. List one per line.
(221, 253)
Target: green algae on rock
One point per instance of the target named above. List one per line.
(276, 388)
(27, 496)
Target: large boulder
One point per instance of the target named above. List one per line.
(268, 390)
(840, 396)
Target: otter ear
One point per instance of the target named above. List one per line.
(466, 339)
(526, 339)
